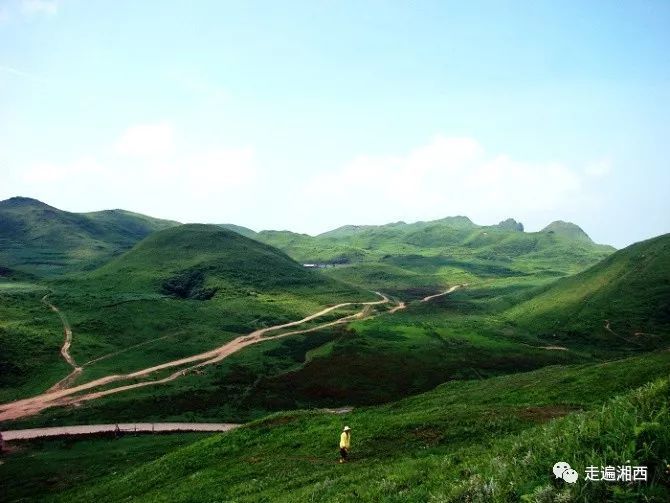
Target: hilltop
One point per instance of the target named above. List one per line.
(402, 257)
(568, 230)
(178, 292)
(184, 258)
(41, 239)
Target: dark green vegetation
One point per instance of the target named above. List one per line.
(36, 237)
(553, 304)
(30, 338)
(630, 289)
(401, 258)
(36, 469)
(492, 440)
(179, 292)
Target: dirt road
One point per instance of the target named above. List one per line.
(67, 396)
(452, 289)
(65, 349)
(59, 431)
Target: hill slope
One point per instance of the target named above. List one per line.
(630, 289)
(209, 254)
(39, 238)
(179, 292)
(463, 441)
(401, 257)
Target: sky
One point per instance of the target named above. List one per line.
(310, 115)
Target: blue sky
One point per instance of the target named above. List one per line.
(309, 115)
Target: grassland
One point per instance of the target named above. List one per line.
(124, 325)
(56, 465)
(477, 440)
(544, 327)
(38, 238)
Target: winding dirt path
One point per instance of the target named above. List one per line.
(64, 350)
(452, 289)
(609, 329)
(64, 396)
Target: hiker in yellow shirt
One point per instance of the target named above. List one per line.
(345, 443)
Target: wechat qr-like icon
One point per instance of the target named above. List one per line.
(563, 471)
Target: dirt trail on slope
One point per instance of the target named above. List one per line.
(452, 289)
(63, 396)
(64, 350)
(607, 327)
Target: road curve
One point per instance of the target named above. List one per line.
(452, 289)
(64, 396)
(90, 429)
(64, 350)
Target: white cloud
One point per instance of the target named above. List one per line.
(147, 140)
(219, 169)
(50, 172)
(149, 173)
(447, 176)
(49, 7)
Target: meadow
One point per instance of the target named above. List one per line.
(477, 440)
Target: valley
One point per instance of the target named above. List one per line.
(465, 342)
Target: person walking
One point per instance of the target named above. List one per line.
(345, 444)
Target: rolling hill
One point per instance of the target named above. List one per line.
(179, 292)
(629, 291)
(41, 239)
(205, 253)
(402, 258)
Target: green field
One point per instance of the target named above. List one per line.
(464, 397)
(477, 440)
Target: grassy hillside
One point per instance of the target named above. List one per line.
(490, 440)
(39, 238)
(246, 232)
(223, 259)
(400, 257)
(630, 289)
(469, 334)
(179, 292)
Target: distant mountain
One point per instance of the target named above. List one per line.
(444, 242)
(511, 225)
(630, 289)
(567, 230)
(39, 238)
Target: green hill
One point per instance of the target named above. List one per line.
(630, 289)
(488, 440)
(568, 230)
(401, 257)
(41, 239)
(221, 258)
(246, 232)
(179, 292)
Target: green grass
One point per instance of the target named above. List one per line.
(123, 319)
(483, 440)
(30, 339)
(469, 334)
(40, 239)
(56, 465)
(630, 288)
